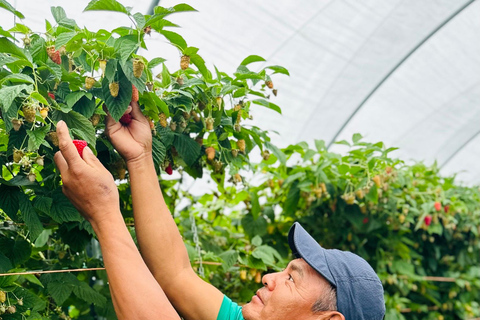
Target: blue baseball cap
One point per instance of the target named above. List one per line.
(359, 290)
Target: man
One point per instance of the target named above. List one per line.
(319, 284)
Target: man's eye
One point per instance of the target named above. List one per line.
(290, 278)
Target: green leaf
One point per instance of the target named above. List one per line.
(140, 20)
(62, 210)
(251, 59)
(9, 93)
(200, 64)
(158, 152)
(175, 39)
(18, 77)
(139, 83)
(86, 293)
(7, 6)
(111, 69)
(106, 5)
(229, 258)
(5, 264)
(118, 105)
(59, 291)
(43, 204)
(253, 226)
(268, 104)
(267, 254)
(79, 125)
(126, 45)
(61, 18)
(291, 203)
(64, 38)
(17, 251)
(37, 137)
(277, 152)
(9, 197)
(278, 69)
(356, 137)
(166, 79)
(187, 148)
(161, 104)
(182, 7)
(37, 96)
(30, 217)
(255, 205)
(155, 62)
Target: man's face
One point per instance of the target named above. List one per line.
(289, 294)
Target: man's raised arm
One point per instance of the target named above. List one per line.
(160, 242)
(92, 190)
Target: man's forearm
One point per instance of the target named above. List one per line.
(160, 242)
(130, 280)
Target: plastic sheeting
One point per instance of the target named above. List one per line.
(405, 72)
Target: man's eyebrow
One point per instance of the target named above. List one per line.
(295, 267)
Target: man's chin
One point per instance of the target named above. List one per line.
(249, 312)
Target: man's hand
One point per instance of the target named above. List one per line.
(86, 182)
(134, 141)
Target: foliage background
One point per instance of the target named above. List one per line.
(364, 201)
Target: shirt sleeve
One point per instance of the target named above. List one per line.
(229, 310)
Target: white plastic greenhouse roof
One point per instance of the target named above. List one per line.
(406, 72)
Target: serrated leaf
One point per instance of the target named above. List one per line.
(166, 79)
(158, 152)
(200, 64)
(277, 152)
(126, 45)
(229, 258)
(106, 5)
(30, 217)
(155, 62)
(62, 210)
(5, 263)
(187, 148)
(64, 38)
(251, 59)
(37, 96)
(253, 226)
(36, 137)
(268, 104)
(111, 69)
(61, 18)
(9, 93)
(139, 19)
(38, 49)
(86, 293)
(59, 291)
(118, 105)
(7, 6)
(175, 39)
(139, 83)
(9, 197)
(278, 69)
(267, 254)
(161, 104)
(43, 204)
(80, 125)
(255, 210)
(18, 77)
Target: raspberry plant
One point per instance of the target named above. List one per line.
(70, 73)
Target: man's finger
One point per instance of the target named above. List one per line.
(90, 158)
(65, 143)
(60, 162)
(136, 112)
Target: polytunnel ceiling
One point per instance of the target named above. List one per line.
(405, 72)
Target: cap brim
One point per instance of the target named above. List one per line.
(304, 246)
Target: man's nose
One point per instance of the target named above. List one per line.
(268, 281)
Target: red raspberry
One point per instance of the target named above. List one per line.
(365, 220)
(438, 206)
(428, 220)
(51, 95)
(134, 94)
(80, 144)
(126, 119)
(169, 169)
(446, 208)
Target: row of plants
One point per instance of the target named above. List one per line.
(199, 120)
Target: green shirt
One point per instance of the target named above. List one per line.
(229, 310)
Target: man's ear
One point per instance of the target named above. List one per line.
(332, 315)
